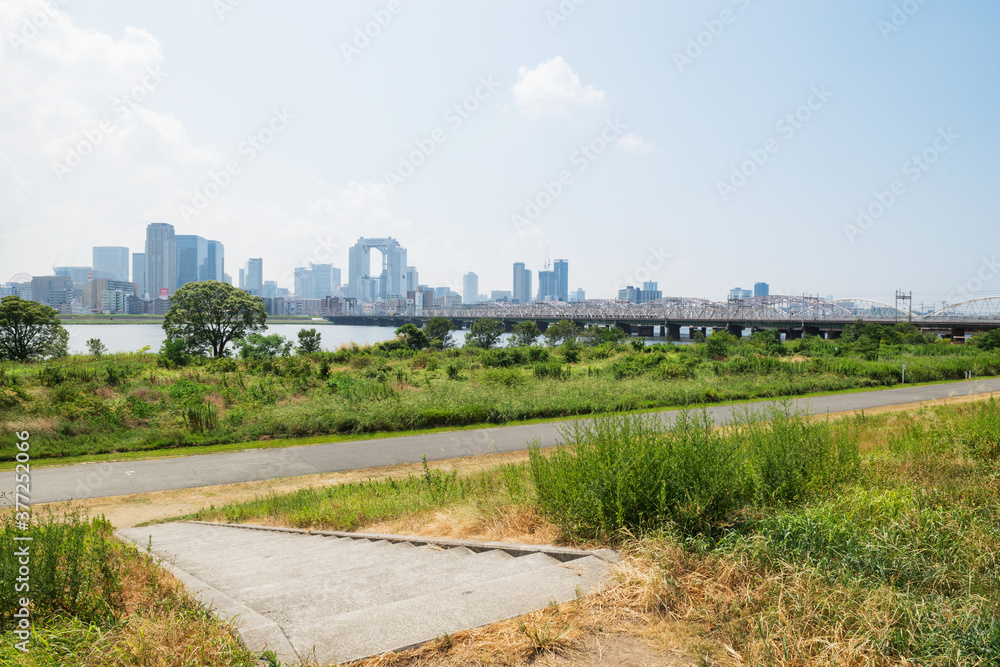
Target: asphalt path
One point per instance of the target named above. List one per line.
(96, 480)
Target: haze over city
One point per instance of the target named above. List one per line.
(844, 149)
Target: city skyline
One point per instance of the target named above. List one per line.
(826, 148)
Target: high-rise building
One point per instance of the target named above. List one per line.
(522, 284)
(198, 259)
(139, 272)
(650, 286)
(255, 276)
(739, 294)
(578, 296)
(548, 286)
(561, 268)
(111, 263)
(470, 288)
(80, 275)
(161, 260)
(319, 281)
(761, 289)
(54, 291)
(412, 279)
(270, 290)
(391, 280)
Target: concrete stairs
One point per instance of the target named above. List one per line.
(342, 596)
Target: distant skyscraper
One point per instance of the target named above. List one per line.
(243, 278)
(761, 289)
(579, 296)
(139, 272)
(270, 289)
(548, 286)
(255, 277)
(198, 259)
(739, 294)
(522, 283)
(161, 259)
(650, 286)
(561, 268)
(470, 288)
(54, 291)
(214, 267)
(111, 263)
(412, 279)
(391, 279)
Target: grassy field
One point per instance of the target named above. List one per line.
(86, 406)
(865, 541)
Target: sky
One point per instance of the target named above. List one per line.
(842, 148)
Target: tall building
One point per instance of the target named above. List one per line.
(80, 275)
(761, 289)
(561, 268)
(198, 259)
(319, 281)
(548, 286)
(391, 279)
(522, 284)
(578, 296)
(412, 279)
(54, 291)
(139, 272)
(255, 276)
(470, 288)
(739, 294)
(650, 286)
(161, 260)
(111, 263)
(270, 290)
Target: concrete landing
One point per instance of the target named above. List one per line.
(335, 597)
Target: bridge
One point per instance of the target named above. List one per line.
(792, 315)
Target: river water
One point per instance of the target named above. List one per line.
(133, 337)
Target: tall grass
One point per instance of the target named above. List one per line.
(633, 473)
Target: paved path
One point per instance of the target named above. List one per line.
(96, 480)
(337, 596)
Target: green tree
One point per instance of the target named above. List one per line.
(96, 347)
(309, 341)
(30, 330)
(988, 340)
(561, 331)
(412, 337)
(256, 346)
(485, 333)
(210, 314)
(438, 331)
(524, 334)
(719, 344)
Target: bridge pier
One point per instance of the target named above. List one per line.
(735, 330)
(812, 331)
(958, 335)
(672, 331)
(644, 330)
(792, 334)
(834, 334)
(696, 331)
(627, 328)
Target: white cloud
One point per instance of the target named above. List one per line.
(551, 88)
(635, 144)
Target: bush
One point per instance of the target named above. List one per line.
(174, 352)
(502, 377)
(551, 369)
(96, 347)
(633, 473)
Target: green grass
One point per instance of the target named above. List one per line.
(83, 408)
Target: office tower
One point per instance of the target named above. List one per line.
(80, 275)
(561, 268)
(255, 276)
(501, 296)
(522, 283)
(579, 296)
(270, 289)
(243, 279)
(470, 288)
(161, 260)
(761, 289)
(739, 294)
(412, 279)
(548, 286)
(226, 278)
(139, 272)
(391, 280)
(54, 291)
(650, 286)
(214, 267)
(323, 284)
(111, 263)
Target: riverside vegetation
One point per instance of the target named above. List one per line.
(105, 403)
(791, 541)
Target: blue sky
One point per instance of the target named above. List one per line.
(699, 174)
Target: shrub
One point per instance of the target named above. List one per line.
(551, 369)
(502, 377)
(96, 347)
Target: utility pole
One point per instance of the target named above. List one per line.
(904, 296)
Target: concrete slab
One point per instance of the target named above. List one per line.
(343, 596)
